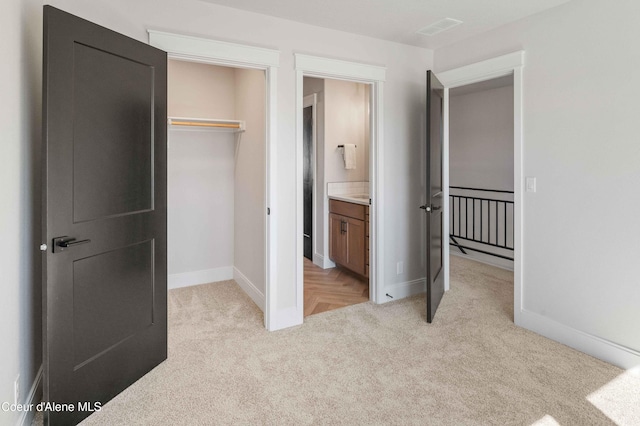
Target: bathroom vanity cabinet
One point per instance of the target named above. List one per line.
(348, 235)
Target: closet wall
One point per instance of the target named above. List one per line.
(216, 223)
(200, 175)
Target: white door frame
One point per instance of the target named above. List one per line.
(320, 67)
(202, 50)
(510, 64)
(312, 101)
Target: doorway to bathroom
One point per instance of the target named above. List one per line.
(336, 193)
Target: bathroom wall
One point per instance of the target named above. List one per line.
(345, 111)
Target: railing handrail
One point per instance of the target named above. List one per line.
(481, 189)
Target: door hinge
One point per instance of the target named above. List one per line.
(268, 211)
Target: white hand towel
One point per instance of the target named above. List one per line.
(349, 153)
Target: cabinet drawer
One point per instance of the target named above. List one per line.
(355, 211)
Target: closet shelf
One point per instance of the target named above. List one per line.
(207, 123)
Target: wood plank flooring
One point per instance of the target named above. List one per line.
(328, 289)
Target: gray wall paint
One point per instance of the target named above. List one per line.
(581, 142)
(200, 169)
(481, 153)
(20, 191)
(249, 210)
(481, 139)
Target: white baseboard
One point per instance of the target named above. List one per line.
(483, 258)
(401, 290)
(597, 347)
(323, 262)
(205, 276)
(252, 291)
(26, 417)
(285, 318)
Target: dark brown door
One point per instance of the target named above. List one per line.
(307, 117)
(105, 280)
(434, 196)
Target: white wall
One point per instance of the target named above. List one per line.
(250, 186)
(481, 139)
(198, 90)
(344, 123)
(581, 142)
(20, 190)
(21, 88)
(200, 176)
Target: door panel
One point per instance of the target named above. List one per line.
(105, 288)
(355, 245)
(112, 134)
(434, 196)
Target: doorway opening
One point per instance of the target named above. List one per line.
(216, 176)
(481, 180)
(336, 193)
(481, 183)
(510, 66)
(373, 77)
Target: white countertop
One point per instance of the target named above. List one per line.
(351, 198)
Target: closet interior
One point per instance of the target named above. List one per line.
(216, 176)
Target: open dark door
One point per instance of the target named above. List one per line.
(434, 198)
(105, 279)
(307, 117)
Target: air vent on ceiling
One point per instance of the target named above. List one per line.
(439, 26)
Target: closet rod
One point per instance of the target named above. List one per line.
(200, 124)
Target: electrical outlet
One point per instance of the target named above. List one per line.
(16, 390)
(400, 268)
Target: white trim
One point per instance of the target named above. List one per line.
(315, 66)
(205, 276)
(595, 346)
(26, 417)
(486, 70)
(446, 259)
(404, 289)
(252, 291)
(481, 71)
(323, 262)
(475, 257)
(336, 68)
(202, 48)
(196, 49)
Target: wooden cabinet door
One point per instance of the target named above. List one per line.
(337, 238)
(355, 245)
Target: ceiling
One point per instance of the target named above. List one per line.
(398, 20)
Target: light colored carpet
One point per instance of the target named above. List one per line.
(370, 364)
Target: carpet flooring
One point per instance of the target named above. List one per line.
(372, 364)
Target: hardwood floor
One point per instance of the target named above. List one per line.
(328, 289)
